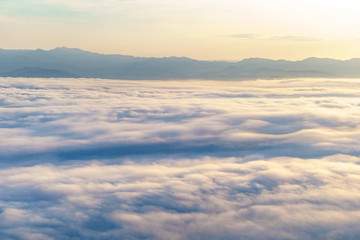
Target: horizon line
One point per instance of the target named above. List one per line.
(209, 60)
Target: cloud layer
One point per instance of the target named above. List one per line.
(208, 198)
(90, 119)
(108, 159)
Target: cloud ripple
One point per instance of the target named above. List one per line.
(107, 159)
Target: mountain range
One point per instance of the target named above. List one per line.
(76, 63)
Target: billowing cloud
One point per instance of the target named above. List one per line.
(208, 198)
(108, 159)
(91, 119)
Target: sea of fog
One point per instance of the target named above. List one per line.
(114, 159)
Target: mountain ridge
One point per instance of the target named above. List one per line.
(67, 62)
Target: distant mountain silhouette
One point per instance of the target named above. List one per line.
(72, 62)
(39, 72)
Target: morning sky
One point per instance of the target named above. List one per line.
(200, 29)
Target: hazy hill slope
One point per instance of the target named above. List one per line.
(39, 72)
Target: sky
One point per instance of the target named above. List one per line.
(202, 29)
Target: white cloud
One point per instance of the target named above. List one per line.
(205, 198)
(99, 159)
(68, 119)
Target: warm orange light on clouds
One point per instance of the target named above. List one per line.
(202, 29)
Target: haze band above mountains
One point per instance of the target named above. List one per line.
(76, 63)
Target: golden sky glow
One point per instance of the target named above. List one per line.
(201, 29)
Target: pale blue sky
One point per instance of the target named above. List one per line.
(202, 29)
